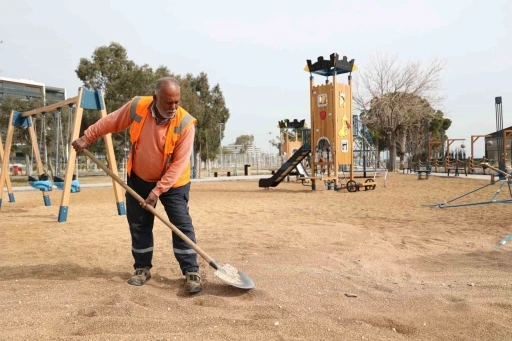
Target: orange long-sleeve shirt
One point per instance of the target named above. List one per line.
(149, 153)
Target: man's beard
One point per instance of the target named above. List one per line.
(166, 113)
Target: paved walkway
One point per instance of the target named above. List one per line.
(462, 176)
(109, 184)
(246, 178)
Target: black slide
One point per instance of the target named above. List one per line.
(286, 168)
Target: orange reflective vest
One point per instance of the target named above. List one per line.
(140, 108)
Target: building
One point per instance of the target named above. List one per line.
(28, 89)
(237, 148)
(491, 145)
(54, 94)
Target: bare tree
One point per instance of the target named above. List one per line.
(393, 96)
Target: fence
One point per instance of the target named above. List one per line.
(262, 161)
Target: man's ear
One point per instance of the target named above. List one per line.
(154, 97)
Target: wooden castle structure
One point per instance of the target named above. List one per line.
(331, 120)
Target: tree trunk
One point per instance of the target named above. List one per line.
(402, 151)
(198, 165)
(377, 153)
(28, 165)
(392, 152)
(50, 168)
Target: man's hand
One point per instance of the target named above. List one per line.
(150, 201)
(79, 145)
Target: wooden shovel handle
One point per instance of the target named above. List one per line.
(151, 208)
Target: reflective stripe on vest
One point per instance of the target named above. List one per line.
(183, 124)
(133, 110)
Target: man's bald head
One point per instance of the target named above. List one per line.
(167, 96)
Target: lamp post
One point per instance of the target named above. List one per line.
(220, 144)
(269, 147)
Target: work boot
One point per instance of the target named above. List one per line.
(141, 276)
(193, 282)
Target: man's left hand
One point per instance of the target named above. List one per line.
(150, 201)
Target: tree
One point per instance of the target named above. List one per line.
(121, 79)
(395, 96)
(245, 141)
(211, 111)
(276, 142)
(416, 137)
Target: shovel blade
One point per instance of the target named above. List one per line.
(234, 277)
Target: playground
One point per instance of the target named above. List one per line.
(373, 265)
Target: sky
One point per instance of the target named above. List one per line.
(256, 51)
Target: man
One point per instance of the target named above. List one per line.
(162, 137)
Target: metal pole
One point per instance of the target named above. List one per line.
(499, 129)
(364, 151)
(57, 138)
(269, 148)
(427, 142)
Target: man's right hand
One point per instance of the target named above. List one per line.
(79, 145)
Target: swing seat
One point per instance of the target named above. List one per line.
(59, 182)
(42, 183)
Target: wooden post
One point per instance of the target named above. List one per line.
(311, 141)
(70, 165)
(7, 177)
(335, 143)
(4, 157)
(93, 100)
(111, 157)
(351, 136)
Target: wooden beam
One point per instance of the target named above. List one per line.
(70, 166)
(7, 178)
(4, 174)
(486, 165)
(473, 140)
(51, 107)
(111, 157)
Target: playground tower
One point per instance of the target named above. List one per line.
(331, 119)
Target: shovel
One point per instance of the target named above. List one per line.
(225, 272)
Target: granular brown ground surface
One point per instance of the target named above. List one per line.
(372, 265)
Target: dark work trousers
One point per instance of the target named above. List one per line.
(141, 221)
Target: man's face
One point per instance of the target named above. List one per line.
(167, 100)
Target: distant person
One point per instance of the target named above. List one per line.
(162, 137)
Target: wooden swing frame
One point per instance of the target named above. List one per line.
(86, 99)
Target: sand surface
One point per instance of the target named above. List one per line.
(327, 265)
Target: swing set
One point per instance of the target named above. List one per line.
(86, 99)
(42, 182)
